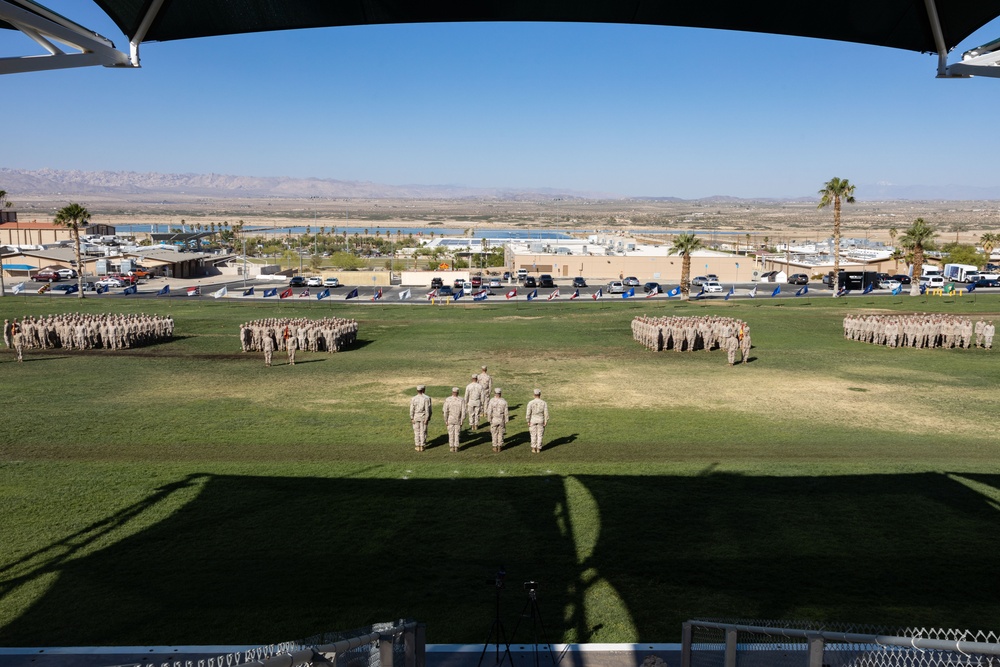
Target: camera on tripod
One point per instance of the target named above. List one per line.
(531, 585)
(498, 578)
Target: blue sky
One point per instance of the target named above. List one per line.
(630, 110)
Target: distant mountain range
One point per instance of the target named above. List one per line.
(128, 183)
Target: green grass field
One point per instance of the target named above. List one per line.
(183, 493)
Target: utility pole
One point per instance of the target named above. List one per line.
(244, 263)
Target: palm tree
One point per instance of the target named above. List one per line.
(75, 216)
(987, 240)
(918, 237)
(684, 245)
(892, 234)
(834, 191)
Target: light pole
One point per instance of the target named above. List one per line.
(244, 263)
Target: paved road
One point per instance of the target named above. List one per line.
(391, 294)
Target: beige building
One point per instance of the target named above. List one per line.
(600, 259)
(42, 233)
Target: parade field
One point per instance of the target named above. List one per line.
(182, 493)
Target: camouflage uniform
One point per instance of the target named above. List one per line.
(420, 415)
(498, 415)
(537, 416)
(454, 412)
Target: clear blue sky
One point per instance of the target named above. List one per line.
(632, 110)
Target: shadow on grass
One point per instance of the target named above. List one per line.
(259, 559)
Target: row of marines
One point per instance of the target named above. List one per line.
(919, 330)
(86, 331)
(705, 332)
(497, 412)
(329, 334)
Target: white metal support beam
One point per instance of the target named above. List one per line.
(83, 48)
(982, 61)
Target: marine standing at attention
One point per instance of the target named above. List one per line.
(486, 382)
(454, 414)
(268, 345)
(420, 414)
(537, 416)
(498, 415)
(474, 402)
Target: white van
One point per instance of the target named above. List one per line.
(522, 274)
(932, 282)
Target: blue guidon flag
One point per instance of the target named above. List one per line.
(377, 295)
(869, 289)
(271, 292)
(353, 294)
(322, 295)
(731, 292)
(73, 289)
(777, 291)
(248, 292)
(459, 294)
(533, 294)
(897, 289)
(802, 291)
(164, 291)
(971, 287)
(630, 292)
(674, 291)
(131, 289)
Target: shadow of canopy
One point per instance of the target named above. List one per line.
(262, 559)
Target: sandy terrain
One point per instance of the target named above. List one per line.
(775, 220)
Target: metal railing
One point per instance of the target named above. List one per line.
(725, 644)
(401, 644)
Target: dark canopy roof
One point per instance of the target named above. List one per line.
(901, 24)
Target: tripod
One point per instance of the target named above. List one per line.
(497, 629)
(531, 607)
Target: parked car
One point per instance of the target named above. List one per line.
(698, 281)
(314, 281)
(477, 281)
(529, 281)
(545, 280)
(649, 287)
(140, 272)
(436, 282)
(445, 290)
(798, 279)
(932, 282)
(67, 274)
(331, 282)
(46, 276)
(902, 278)
(579, 282)
(495, 282)
(712, 276)
(110, 281)
(631, 281)
(467, 285)
(889, 284)
(712, 286)
(616, 287)
(506, 275)
(65, 288)
(297, 281)
(458, 283)
(987, 282)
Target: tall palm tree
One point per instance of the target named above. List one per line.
(75, 216)
(836, 191)
(684, 245)
(918, 237)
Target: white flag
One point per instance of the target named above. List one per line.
(404, 295)
(18, 288)
(221, 292)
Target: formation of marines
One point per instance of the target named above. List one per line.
(473, 406)
(329, 334)
(86, 331)
(922, 330)
(688, 334)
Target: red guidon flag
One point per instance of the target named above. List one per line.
(511, 294)
(598, 294)
(554, 295)
(575, 295)
(287, 293)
